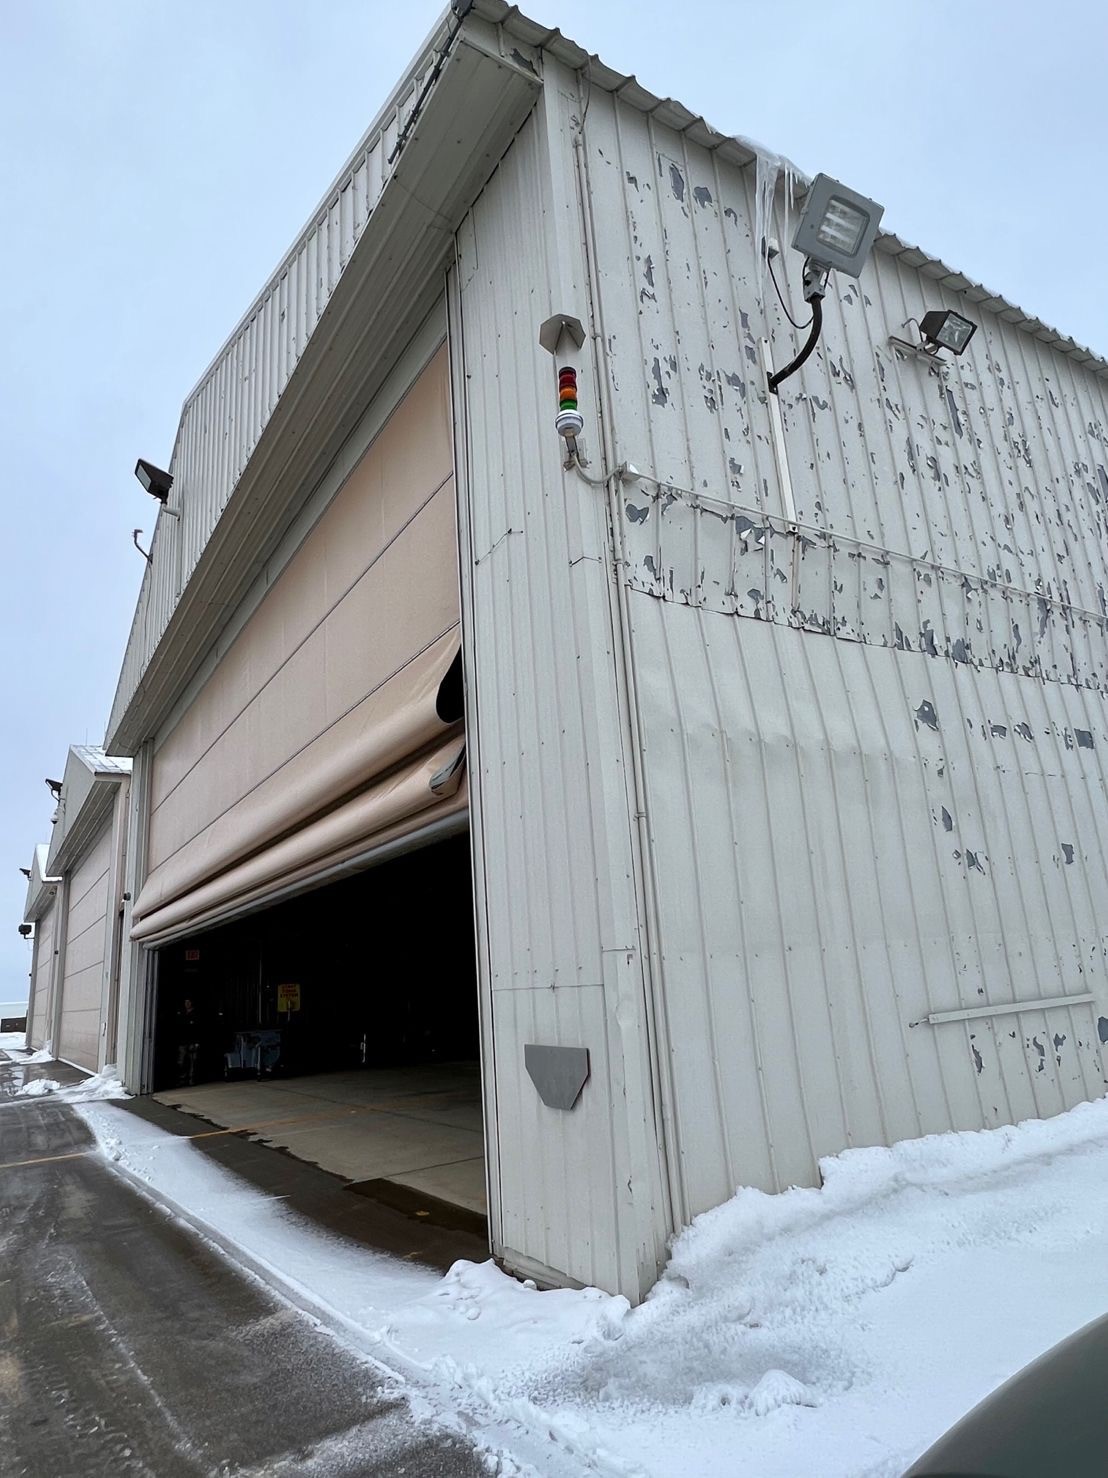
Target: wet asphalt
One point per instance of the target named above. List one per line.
(129, 1347)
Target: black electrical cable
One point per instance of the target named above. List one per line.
(792, 367)
(777, 288)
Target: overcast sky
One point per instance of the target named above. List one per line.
(158, 156)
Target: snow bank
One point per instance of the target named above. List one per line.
(89, 1090)
(37, 1088)
(855, 1322)
(19, 1054)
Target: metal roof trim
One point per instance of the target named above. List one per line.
(90, 781)
(626, 86)
(421, 63)
(40, 887)
(99, 763)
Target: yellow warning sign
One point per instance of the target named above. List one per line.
(288, 998)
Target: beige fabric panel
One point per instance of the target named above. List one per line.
(82, 989)
(395, 721)
(409, 459)
(332, 681)
(44, 964)
(397, 807)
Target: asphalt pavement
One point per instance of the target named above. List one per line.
(129, 1346)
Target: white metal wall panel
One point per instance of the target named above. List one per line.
(833, 870)
(44, 970)
(86, 946)
(225, 415)
(874, 737)
(574, 1193)
(884, 450)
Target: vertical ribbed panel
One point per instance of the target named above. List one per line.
(576, 1190)
(44, 972)
(874, 737)
(225, 415)
(86, 951)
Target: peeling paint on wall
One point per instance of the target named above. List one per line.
(841, 588)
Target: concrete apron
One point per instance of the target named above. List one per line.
(419, 1129)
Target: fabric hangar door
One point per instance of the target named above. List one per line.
(309, 892)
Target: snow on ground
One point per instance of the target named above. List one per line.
(89, 1090)
(37, 1088)
(837, 1331)
(12, 1044)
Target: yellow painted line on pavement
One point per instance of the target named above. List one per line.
(47, 1159)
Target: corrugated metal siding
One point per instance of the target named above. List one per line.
(574, 1192)
(227, 412)
(44, 971)
(875, 736)
(679, 120)
(86, 944)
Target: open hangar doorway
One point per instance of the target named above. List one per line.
(341, 1025)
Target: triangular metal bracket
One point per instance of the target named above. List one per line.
(550, 334)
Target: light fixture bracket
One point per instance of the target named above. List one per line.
(815, 280)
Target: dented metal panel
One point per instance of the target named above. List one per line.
(873, 715)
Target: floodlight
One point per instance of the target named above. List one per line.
(156, 482)
(836, 234)
(838, 227)
(26, 930)
(946, 329)
(54, 787)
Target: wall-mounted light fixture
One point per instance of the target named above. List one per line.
(838, 227)
(54, 787)
(156, 482)
(836, 233)
(26, 930)
(945, 329)
(941, 328)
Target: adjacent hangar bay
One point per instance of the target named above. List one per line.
(631, 780)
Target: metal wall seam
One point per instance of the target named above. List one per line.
(576, 1191)
(462, 433)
